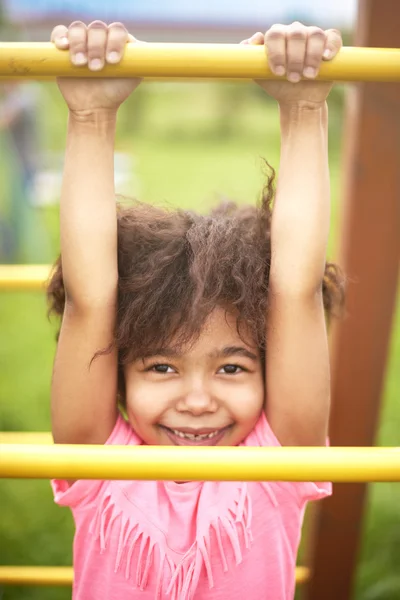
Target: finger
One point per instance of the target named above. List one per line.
(97, 41)
(333, 43)
(116, 42)
(59, 37)
(257, 39)
(131, 38)
(275, 43)
(78, 43)
(315, 47)
(296, 43)
(244, 42)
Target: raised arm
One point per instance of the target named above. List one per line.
(297, 361)
(84, 391)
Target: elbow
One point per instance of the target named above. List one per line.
(309, 438)
(78, 436)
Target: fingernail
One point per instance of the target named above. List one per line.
(294, 77)
(63, 41)
(327, 53)
(279, 71)
(309, 72)
(113, 57)
(96, 64)
(80, 59)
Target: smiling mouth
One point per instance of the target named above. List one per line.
(209, 438)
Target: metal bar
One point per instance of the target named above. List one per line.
(223, 463)
(369, 254)
(26, 437)
(63, 576)
(31, 60)
(57, 576)
(24, 277)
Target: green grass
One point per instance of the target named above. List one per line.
(191, 145)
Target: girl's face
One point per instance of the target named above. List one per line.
(209, 394)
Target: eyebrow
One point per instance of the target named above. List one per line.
(234, 351)
(221, 353)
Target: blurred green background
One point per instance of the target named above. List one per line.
(185, 145)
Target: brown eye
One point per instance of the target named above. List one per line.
(231, 369)
(160, 368)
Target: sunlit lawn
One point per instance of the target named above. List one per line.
(184, 154)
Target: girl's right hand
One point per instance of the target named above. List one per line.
(94, 45)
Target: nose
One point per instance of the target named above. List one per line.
(197, 401)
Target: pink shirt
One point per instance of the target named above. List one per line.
(142, 540)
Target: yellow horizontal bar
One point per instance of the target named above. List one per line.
(26, 437)
(51, 78)
(199, 464)
(23, 277)
(31, 60)
(64, 575)
(36, 575)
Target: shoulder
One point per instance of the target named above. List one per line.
(123, 434)
(85, 492)
(262, 434)
(300, 491)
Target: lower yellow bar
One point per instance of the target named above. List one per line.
(199, 464)
(59, 576)
(31, 60)
(23, 277)
(26, 437)
(36, 575)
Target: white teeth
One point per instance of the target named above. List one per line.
(193, 436)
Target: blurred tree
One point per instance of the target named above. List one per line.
(2, 14)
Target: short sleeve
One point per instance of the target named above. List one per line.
(263, 436)
(84, 491)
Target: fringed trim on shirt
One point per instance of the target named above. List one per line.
(184, 576)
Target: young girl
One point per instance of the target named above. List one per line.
(209, 330)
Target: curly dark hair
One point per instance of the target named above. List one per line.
(176, 266)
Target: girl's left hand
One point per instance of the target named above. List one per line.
(297, 51)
